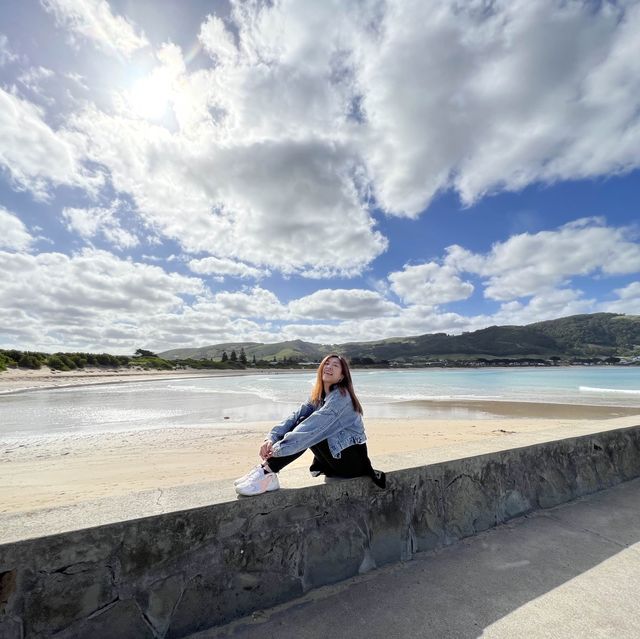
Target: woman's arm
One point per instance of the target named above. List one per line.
(323, 423)
(279, 431)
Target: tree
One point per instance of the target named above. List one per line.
(243, 356)
(253, 361)
(225, 357)
(142, 353)
(234, 357)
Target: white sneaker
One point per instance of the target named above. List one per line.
(255, 471)
(259, 484)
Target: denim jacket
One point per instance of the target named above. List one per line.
(336, 421)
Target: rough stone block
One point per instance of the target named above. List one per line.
(333, 553)
(159, 601)
(57, 599)
(514, 504)
(121, 619)
(8, 586)
(10, 628)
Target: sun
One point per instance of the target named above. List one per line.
(150, 96)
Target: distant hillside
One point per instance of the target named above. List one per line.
(599, 334)
(296, 349)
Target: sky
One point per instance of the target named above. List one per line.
(180, 174)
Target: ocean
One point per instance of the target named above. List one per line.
(232, 401)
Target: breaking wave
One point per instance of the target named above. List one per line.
(591, 389)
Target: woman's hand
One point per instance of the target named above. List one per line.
(265, 449)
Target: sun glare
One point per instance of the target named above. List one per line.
(150, 96)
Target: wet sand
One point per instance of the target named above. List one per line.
(23, 380)
(479, 409)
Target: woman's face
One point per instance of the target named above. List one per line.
(332, 371)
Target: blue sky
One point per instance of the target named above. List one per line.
(182, 174)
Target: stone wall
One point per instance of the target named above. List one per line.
(172, 575)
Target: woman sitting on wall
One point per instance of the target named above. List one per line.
(330, 424)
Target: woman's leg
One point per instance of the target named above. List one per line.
(264, 478)
(276, 464)
(353, 462)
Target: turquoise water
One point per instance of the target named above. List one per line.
(236, 400)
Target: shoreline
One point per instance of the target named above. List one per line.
(13, 381)
(18, 381)
(497, 408)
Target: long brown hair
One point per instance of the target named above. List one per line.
(345, 384)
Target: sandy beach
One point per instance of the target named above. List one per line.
(62, 470)
(54, 471)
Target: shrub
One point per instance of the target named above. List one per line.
(153, 362)
(29, 360)
(55, 362)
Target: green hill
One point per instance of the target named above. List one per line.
(295, 349)
(598, 334)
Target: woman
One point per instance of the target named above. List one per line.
(330, 424)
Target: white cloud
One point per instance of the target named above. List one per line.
(36, 156)
(93, 20)
(93, 221)
(419, 320)
(89, 300)
(13, 233)
(286, 205)
(528, 264)
(290, 75)
(486, 98)
(96, 301)
(91, 280)
(545, 305)
(514, 94)
(338, 304)
(217, 266)
(411, 321)
(78, 79)
(628, 301)
(218, 41)
(629, 292)
(32, 78)
(6, 55)
(271, 164)
(256, 302)
(429, 284)
(266, 160)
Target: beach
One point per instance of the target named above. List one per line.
(52, 472)
(59, 470)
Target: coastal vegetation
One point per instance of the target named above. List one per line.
(601, 338)
(74, 361)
